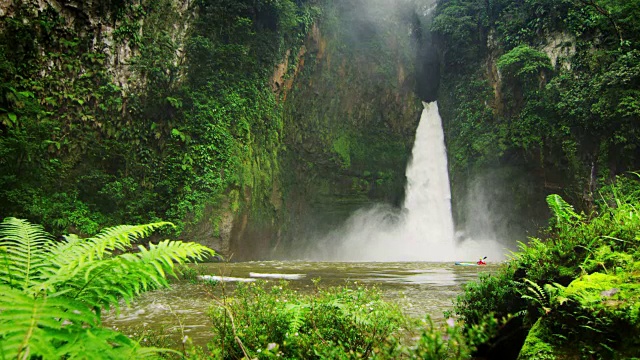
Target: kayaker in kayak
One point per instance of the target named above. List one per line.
(481, 261)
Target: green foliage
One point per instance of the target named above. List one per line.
(492, 294)
(568, 121)
(265, 321)
(451, 340)
(341, 147)
(540, 296)
(82, 148)
(579, 286)
(52, 292)
(524, 62)
(274, 321)
(536, 345)
(458, 26)
(562, 211)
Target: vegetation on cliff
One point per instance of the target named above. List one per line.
(351, 113)
(215, 115)
(550, 89)
(543, 88)
(118, 112)
(572, 294)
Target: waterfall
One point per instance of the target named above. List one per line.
(423, 230)
(428, 224)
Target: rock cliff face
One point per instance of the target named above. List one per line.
(246, 125)
(104, 25)
(350, 117)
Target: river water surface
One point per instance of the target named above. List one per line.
(420, 288)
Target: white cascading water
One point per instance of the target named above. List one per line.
(428, 224)
(424, 230)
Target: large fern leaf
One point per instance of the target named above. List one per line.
(51, 293)
(103, 282)
(296, 316)
(74, 251)
(58, 328)
(27, 323)
(24, 253)
(562, 211)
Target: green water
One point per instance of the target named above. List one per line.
(420, 288)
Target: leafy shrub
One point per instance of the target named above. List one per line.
(52, 292)
(491, 294)
(450, 340)
(524, 62)
(581, 281)
(275, 321)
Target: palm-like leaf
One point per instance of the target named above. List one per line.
(51, 292)
(103, 283)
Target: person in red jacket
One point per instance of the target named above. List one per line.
(481, 261)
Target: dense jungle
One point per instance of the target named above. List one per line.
(249, 127)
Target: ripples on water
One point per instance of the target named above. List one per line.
(420, 288)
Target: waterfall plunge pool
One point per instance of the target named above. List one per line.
(419, 287)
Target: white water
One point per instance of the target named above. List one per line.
(423, 230)
(428, 231)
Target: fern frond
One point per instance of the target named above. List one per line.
(541, 295)
(104, 343)
(74, 252)
(99, 283)
(335, 303)
(24, 253)
(26, 322)
(58, 328)
(51, 293)
(296, 315)
(168, 252)
(102, 283)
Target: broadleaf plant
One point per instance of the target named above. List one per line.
(52, 291)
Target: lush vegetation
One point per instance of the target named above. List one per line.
(543, 88)
(160, 112)
(576, 292)
(265, 320)
(549, 89)
(52, 292)
(204, 114)
(277, 321)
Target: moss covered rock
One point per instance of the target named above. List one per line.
(537, 346)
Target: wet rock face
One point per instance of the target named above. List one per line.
(351, 115)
